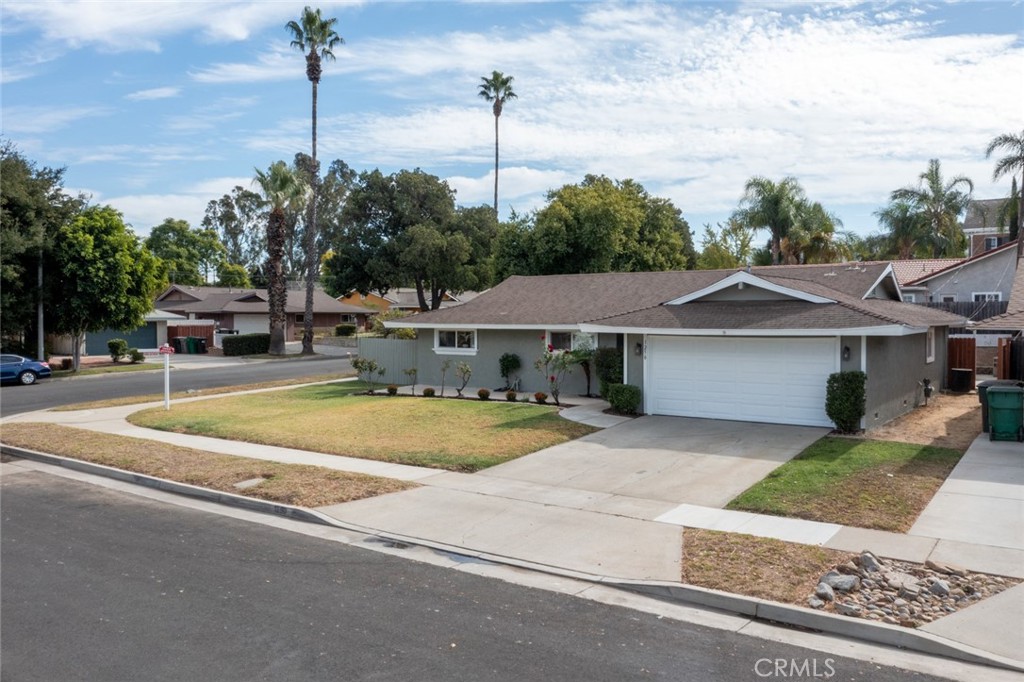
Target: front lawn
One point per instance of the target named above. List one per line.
(863, 483)
(297, 484)
(459, 435)
(105, 369)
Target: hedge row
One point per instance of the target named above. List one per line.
(246, 344)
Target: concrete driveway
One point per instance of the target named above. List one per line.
(671, 459)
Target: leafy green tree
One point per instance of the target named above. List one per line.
(281, 189)
(940, 203)
(907, 230)
(728, 247)
(189, 255)
(1013, 162)
(496, 89)
(1009, 212)
(107, 278)
(233, 275)
(33, 208)
(403, 230)
(604, 226)
(770, 205)
(239, 219)
(317, 35)
(814, 238)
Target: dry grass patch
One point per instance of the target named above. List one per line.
(947, 421)
(139, 399)
(459, 435)
(757, 567)
(296, 484)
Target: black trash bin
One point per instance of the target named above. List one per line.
(960, 380)
(178, 342)
(201, 344)
(983, 396)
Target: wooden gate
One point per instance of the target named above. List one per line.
(961, 356)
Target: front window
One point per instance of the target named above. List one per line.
(980, 296)
(570, 340)
(455, 341)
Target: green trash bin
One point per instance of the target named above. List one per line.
(191, 344)
(1006, 413)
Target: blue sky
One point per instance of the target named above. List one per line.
(158, 107)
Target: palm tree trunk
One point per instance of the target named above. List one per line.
(311, 260)
(1020, 219)
(277, 294)
(496, 165)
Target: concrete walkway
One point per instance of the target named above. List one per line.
(621, 531)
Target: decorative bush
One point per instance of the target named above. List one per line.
(555, 365)
(845, 400)
(66, 363)
(463, 371)
(541, 397)
(367, 370)
(511, 396)
(483, 394)
(608, 367)
(428, 392)
(389, 315)
(136, 356)
(412, 372)
(344, 329)
(624, 398)
(118, 349)
(392, 389)
(246, 344)
(508, 365)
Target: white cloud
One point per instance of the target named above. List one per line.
(43, 119)
(154, 93)
(118, 26)
(145, 211)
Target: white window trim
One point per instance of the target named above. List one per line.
(997, 294)
(929, 346)
(577, 338)
(910, 298)
(438, 350)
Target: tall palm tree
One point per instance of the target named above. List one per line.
(940, 203)
(908, 230)
(1012, 163)
(770, 205)
(496, 89)
(317, 35)
(281, 190)
(815, 237)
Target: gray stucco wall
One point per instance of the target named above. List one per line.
(634, 363)
(896, 366)
(853, 363)
(994, 273)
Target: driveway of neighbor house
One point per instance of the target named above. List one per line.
(670, 459)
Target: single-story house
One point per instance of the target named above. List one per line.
(248, 310)
(148, 338)
(752, 345)
(987, 276)
(402, 299)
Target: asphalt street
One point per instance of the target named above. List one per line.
(103, 585)
(15, 399)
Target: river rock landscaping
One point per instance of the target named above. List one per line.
(900, 592)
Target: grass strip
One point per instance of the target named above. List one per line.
(765, 568)
(108, 369)
(458, 435)
(223, 390)
(297, 484)
(865, 483)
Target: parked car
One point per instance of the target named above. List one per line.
(15, 368)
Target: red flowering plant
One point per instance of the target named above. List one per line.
(555, 366)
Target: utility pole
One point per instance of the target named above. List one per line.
(40, 338)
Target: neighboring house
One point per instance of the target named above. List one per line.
(982, 226)
(987, 276)
(149, 337)
(909, 270)
(751, 345)
(1012, 321)
(248, 310)
(402, 299)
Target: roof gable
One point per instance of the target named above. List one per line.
(740, 281)
(967, 262)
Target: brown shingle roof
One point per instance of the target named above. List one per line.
(635, 299)
(234, 300)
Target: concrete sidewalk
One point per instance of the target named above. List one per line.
(601, 534)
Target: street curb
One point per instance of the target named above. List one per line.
(751, 607)
(231, 499)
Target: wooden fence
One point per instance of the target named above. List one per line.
(202, 330)
(962, 356)
(1010, 359)
(975, 311)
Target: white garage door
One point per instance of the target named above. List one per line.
(252, 324)
(776, 380)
